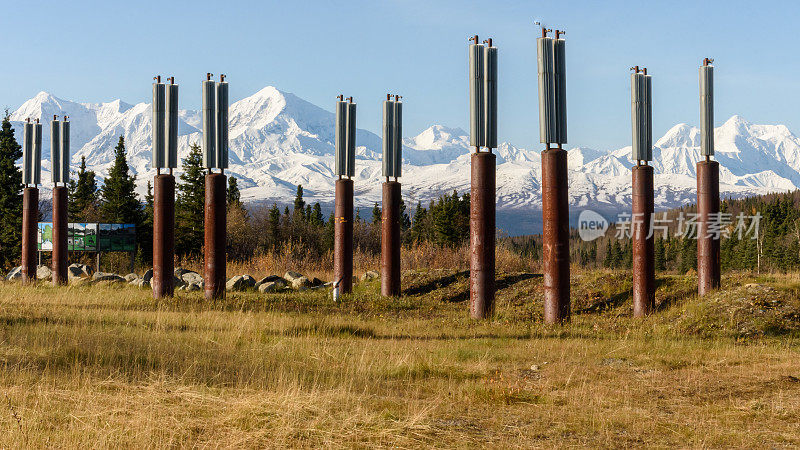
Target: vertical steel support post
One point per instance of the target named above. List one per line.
(215, 236)
(555, 216)
(59, 235)
(30, 219)
(390, 240)
(644, 275)
(482, 235)
(343, 236)
(708, 250)
(164, 236)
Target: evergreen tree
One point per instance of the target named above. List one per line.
(10, 195)
(190, 204)
(376, 214)
(274, 230)
(317, 219)
(405, 221)
(83, 202)
(299, 203)
(233, 196)
(659, 254)
(145, 231)
(118, 202)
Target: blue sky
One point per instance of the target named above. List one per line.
(96, 51)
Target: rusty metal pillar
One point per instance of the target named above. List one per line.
(708, 252)
(215, 236)
(59, 235)
(30, 219)
(555, 216)
(164, 236)
(343, 236)
(644, 272)
(390, 240)
(481, 235)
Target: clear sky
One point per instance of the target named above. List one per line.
(93, 51)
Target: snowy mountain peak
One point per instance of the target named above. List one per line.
(680, 136)
(437, 137)
(279, 140)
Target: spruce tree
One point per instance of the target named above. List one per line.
(299, 203)
(118, 202)
(376, 214)
(233, 196)
(83, 202)
(317, 219)
(190, 204)
(274, 226)
(10, 195)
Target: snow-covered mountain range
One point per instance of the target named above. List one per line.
(278, 140)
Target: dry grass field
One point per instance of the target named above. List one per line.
(107, 366)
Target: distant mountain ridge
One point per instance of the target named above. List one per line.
(278, 140)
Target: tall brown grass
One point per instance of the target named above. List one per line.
(422, 256)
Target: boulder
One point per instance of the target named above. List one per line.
(249, 281)
(131, 277)
(370, 275)
(78, 271)
(43, 273)
(296, 280)
(193, 287)
(240, 283)
(107, 277)
(15, 274)
(190, 277)
(271, 286)
(271, 279)
(148, 275)
(316, 282)
(178, 282)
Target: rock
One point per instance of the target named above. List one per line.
(193, 287)
(316, 282)
(15, 274)
(249, 281)
(78, 271)
(190, 277)
(272, 279)
(107, 277)
(148, 275)
(81, 281)
(43, 273)
(178, 282)
(272, 286)
(370, 275)
(269, 278)
(240, 283)
(296, 280)
(131, 277)
(179, 271)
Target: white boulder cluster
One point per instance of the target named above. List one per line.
(185, 280)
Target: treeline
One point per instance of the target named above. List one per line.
(772, 245)
(267, 228)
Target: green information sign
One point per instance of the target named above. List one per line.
(92, 237)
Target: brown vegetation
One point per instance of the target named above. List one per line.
(109, 367)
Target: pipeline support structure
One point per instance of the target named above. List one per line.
(642, 193)
(165, 156)
(483, 134)
(708, 240)
(551, 66)
(345, 144)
